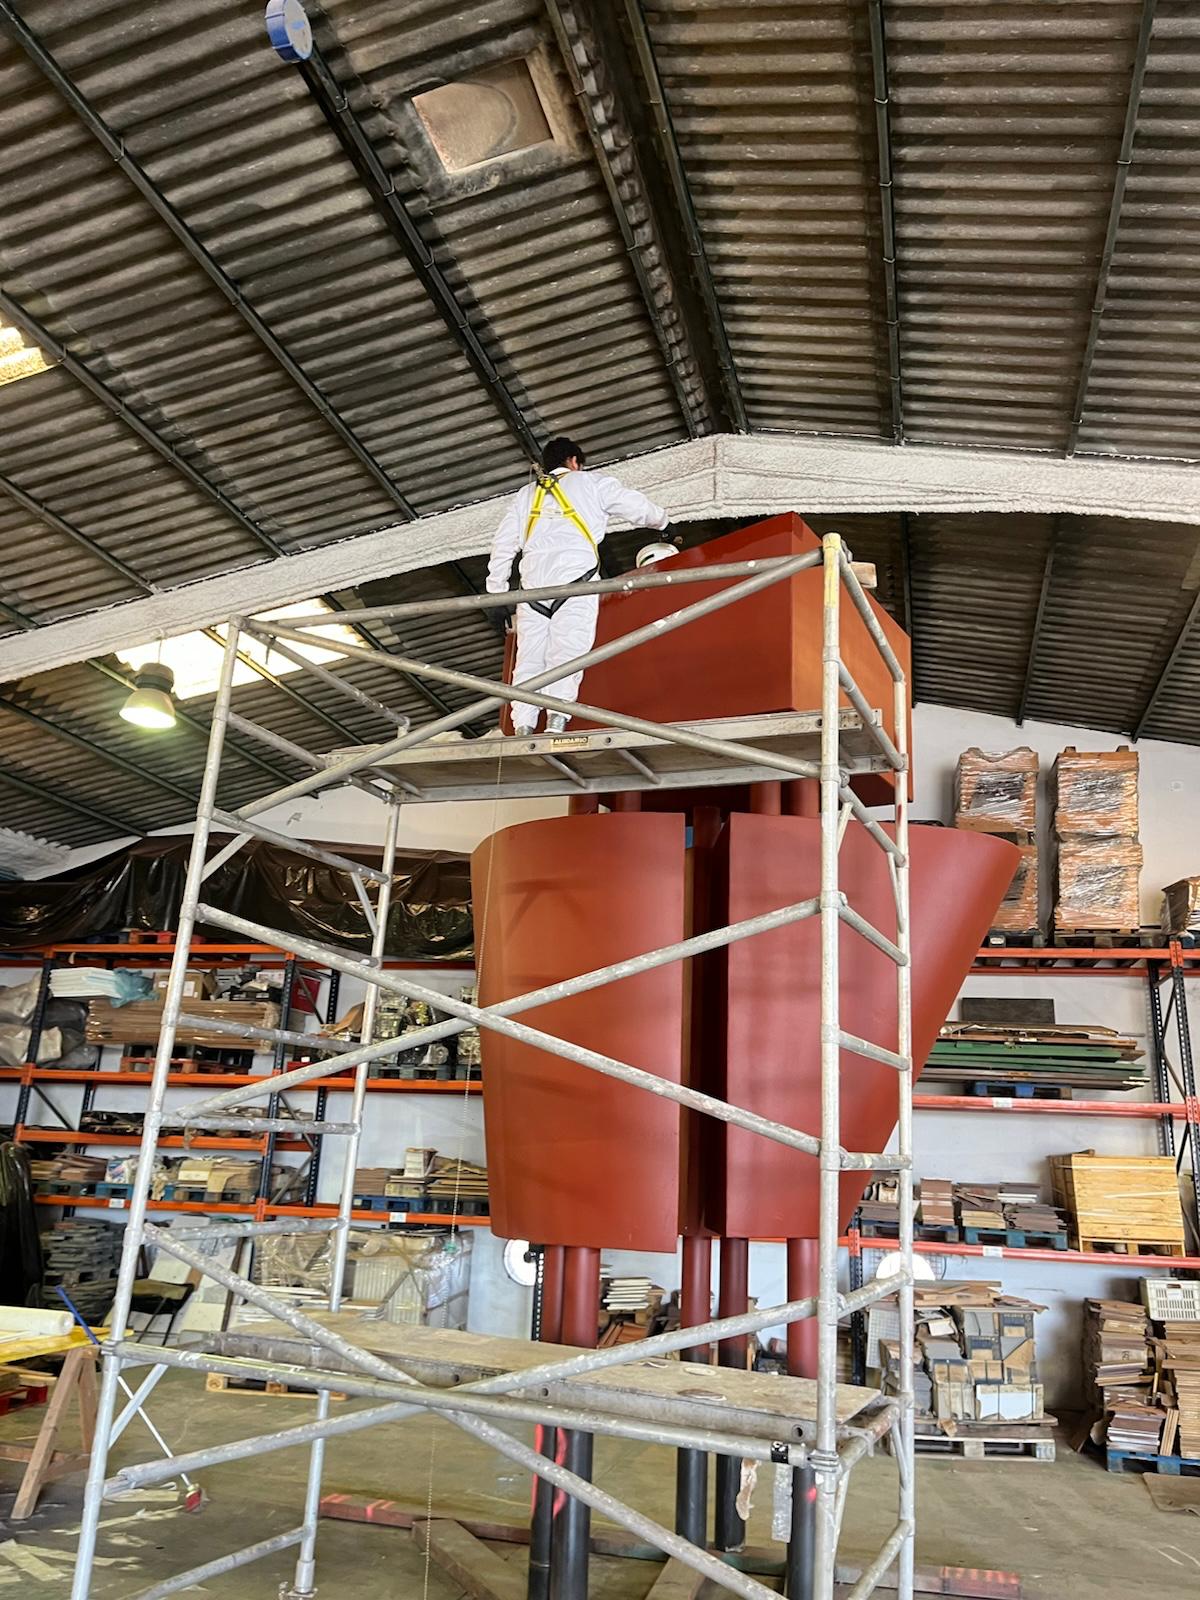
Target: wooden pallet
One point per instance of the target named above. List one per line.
(1016, 1238)
(1030, 1443)
(1173, 1466)
(1127, 1247)
(1103, 938)
(222, 1383)
(1010, 939)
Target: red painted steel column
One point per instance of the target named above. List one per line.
(626, 800)
(572, 1519)
(766, 799)
(730, 1530)
(802, 798)
(583, 805)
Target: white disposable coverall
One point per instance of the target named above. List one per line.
(557, 552)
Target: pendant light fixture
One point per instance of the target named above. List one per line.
(151, 705)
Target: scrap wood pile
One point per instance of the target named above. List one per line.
(424, 1181)
(974, 1358)
(1059, 1055)
(1145, 1371)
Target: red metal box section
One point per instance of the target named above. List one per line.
(574, 1157)
(768, 1004)
(756, 656)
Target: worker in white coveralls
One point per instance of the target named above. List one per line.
(556, 527)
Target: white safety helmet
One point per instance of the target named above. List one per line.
(650, 553)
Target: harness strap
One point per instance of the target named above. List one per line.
(564, 505)
(548, 608)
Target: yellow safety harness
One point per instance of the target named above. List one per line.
(550, 485)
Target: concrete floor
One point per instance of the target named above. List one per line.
(1069, 1527)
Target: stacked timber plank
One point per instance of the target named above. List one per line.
(425, 1181)
(1057, 1056)
(1116, 1362)
(1098, 856)
(140, 1022)
(1145, 1373)
(1129, 1204)
(997, 793)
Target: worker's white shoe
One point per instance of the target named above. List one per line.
(556, 721)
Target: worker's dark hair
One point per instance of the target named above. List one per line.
(559, 451)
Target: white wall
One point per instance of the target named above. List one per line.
(987, 1147)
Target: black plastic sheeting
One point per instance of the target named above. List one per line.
(20, 1247)
(140, 889)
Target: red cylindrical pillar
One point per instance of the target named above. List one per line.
(572, 1521)
(766, 799)
(730, 1530)
(802, 798)
(802, 1272)
(583, 805)
(627, 800)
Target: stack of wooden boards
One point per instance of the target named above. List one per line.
(1098, 859)
(998, 794)
(140, 1022)
(1057, 1057)
(426, 1181)
(632, 1308)
(975, 1366)
(1129, 1204)
(981, 1213)
(1143, 1362)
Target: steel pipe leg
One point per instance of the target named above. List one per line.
(803, 1263)
(541, 1525)
(691, 1466)
(729, 1532)
(571, 1538)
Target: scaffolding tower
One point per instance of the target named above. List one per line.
(831, 745)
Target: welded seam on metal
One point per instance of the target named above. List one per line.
(668, 146)
(1035, 637)
(1124, 162)
(64, 802)
(612, 143)
(333, 100)
(887, 210)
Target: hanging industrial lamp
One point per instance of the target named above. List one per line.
(151, 704)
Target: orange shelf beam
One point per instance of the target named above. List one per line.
(1065, 1108)
(1006, 1252)
(438, 1219)
(91, 1202)
(230, 1080)
(200, 1142)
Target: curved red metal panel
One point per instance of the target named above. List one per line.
(767, 1005)
(573, 1157)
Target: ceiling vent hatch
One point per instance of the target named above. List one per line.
(492, 115)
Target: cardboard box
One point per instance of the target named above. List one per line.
(198, 984)
(1098, 883)
(1008, 1402)
(1096, 792)
(996, 793)
(954, 1402)
(1018, 911)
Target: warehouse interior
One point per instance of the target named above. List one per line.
(388, 1092)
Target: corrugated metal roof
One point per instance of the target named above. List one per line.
(574, 267)
(772, 109)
